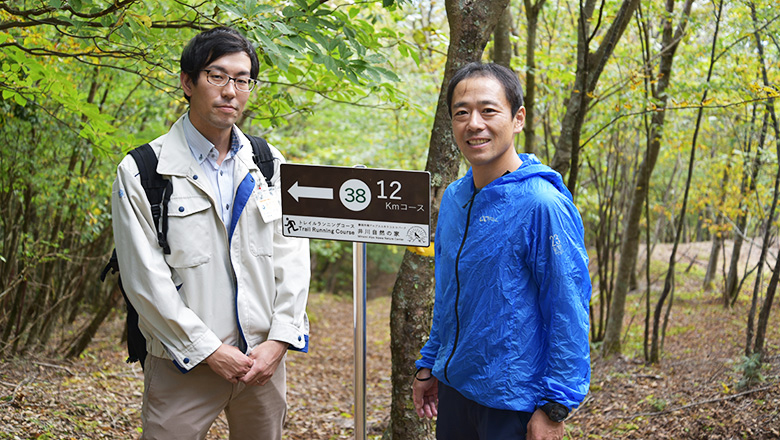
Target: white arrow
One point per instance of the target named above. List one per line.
(310, 192)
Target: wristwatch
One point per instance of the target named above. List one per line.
(555, 411)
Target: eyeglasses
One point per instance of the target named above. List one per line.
(219, 79)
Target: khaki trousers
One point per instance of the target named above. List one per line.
(183, 406)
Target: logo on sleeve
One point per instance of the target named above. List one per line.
(555, 243)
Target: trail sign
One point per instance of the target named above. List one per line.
(366, 205)
(360, 205)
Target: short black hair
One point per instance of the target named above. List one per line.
(212, 44)
(507, 79)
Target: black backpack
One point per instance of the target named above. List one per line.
(158, 192)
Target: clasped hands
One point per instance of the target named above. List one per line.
(255, 369)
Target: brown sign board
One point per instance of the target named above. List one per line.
(356, 204)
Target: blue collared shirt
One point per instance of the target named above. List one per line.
(219, 176)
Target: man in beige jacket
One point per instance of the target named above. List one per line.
(220, 311)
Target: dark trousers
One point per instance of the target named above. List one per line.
(463, 419)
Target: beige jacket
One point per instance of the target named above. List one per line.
(211, 289)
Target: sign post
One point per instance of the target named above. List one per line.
(359, 323)
(360, 205)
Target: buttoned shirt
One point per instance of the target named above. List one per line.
(219, 176)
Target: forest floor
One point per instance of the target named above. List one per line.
(693, 393)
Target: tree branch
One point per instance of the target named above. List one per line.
(40, 11)
(41, 51)
(703, 402)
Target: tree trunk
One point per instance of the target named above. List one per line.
(610, 188)
(668, 292)
(730, 290)
(631, 230)
(590, 65)
(717, 237)
(747, 187)
(45, 304)
(712, 262)
(471, 25)
(502, 44)
(16, 280)
(532, 11)
(770, 219)
(763, 315)
(410, 323)
(84, 337)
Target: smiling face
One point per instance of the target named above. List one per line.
(214, 109)
(484, 127)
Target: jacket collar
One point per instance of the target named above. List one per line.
(531, 167)
(176, 158)
(175, 155)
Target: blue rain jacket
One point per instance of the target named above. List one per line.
(510, 319)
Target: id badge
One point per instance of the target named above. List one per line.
(270, 204)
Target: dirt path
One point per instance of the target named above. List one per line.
(692, 394)
(99, 395)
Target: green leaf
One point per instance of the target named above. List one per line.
(283, 28)
(330, 64)
(296, 43)
(268, 45)
(264, 9)
(389, 74)
(353, 12)
(125, 31)
(291, 12)
(20, 99)
(230, 8)
(350, 74)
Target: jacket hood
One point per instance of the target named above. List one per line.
(531, 167)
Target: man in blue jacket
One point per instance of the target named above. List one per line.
(508, 354)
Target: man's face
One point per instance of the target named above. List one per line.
(483, 123)
(214, 109)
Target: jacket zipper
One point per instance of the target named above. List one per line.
(457, 284)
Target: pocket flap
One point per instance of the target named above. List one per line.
(184, 206)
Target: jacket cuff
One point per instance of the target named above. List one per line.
(422, 363)
(569, 400)
(197, 352)
(290, 334)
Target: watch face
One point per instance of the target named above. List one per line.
(555, 411)
(558, 413)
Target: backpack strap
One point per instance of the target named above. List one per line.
(112, 266)
(155, 187)
(158, 191)
(262, 156)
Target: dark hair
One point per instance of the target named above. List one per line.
(507, 79)
(212, 44)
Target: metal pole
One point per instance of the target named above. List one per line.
(359, 301)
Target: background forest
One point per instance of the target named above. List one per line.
(660, 115)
